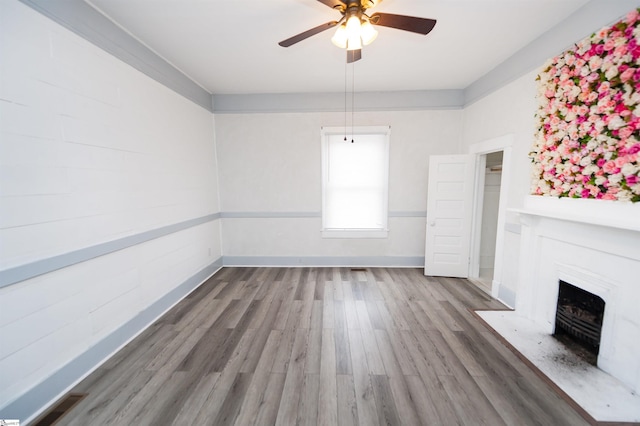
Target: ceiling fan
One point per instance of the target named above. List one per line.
(355, 28)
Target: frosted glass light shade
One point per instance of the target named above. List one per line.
(340, 37)
(354, 43)
(353, 33)
(367, 33)
(353, 26)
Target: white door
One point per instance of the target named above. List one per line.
(449, 213)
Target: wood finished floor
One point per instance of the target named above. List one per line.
(326, 346)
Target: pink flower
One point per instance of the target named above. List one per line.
(621, 50)
(582, 110)
(610, 167)
(634, 149)
(632, 179)
(627, 75)
(621, 161)
(591, 97)
(620, 108)
(597, 49)
(604, 87)
(609, 44)
(625, 132)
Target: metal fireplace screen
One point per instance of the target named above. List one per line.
(579, 314)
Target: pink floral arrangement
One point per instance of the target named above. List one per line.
(588, 141)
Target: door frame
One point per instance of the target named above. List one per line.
(479, 150)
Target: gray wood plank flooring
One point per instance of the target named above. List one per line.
(320, 346)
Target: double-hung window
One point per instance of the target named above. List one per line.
(355, 182)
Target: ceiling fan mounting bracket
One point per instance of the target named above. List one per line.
(353, 10)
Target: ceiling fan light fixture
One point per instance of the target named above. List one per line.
(340, 37)
(349, 35)
(353, 26)
(367, 33)
(354, 43)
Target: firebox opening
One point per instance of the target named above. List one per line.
(579, 321)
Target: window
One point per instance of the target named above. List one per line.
(355, 182)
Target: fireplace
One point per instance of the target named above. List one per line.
(592, 245)
(578, 322)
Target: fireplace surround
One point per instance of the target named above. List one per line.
(595, 246)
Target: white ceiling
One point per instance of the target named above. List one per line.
(230, 46)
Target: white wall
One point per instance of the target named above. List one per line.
(271, 195)
(91, 151)
(509, 110)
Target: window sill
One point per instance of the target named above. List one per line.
(355, 233)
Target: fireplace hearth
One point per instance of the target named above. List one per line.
(579, 321)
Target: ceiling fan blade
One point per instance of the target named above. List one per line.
(402, 22)
(313, 31)
(334, 4)
(354, 55)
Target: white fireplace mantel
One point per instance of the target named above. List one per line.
(612, 214)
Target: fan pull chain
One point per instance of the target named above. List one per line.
(345, 100)
(353, 96)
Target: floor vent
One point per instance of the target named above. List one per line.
(56, 412)
(358, 269)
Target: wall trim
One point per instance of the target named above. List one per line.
(87, 22)
(355, 261)
(304, 215)
(507, 296)
(33, 269)
(33, 402)
(334, 102)
(269, 215)
(409, 213)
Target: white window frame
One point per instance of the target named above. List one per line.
(326, 133)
